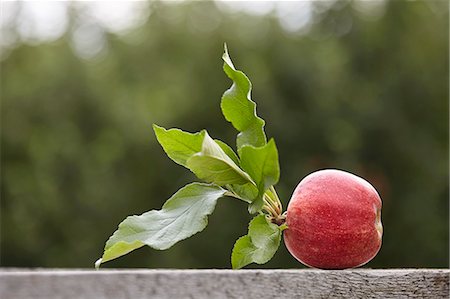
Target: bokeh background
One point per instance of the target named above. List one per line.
(361, 86)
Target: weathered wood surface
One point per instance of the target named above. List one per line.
(308, 283)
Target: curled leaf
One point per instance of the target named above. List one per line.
(239, 109)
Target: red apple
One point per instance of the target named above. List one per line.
(334, 221)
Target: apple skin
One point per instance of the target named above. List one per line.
(334, 221)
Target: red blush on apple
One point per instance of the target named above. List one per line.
(334, 221)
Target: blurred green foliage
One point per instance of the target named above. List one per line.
(78, 153)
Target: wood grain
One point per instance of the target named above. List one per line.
(308, 283)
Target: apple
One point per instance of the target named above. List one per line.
(334, 221)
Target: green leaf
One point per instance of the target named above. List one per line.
(242, 252)
(247, 192)
(258, 246)
(239, 109)
(182, 216)
(256, 205)
(228, 150)
(261, 163)
(179, 145)
(213, 165)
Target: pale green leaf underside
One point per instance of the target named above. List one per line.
(179, 145)
(258, 246)
(239, 109)
(182, 216)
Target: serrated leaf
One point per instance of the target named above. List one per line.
(179, 145)
(239, 109)
(183, 215)
(213, 165)
(258, 246)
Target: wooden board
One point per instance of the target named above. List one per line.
(307, 283)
